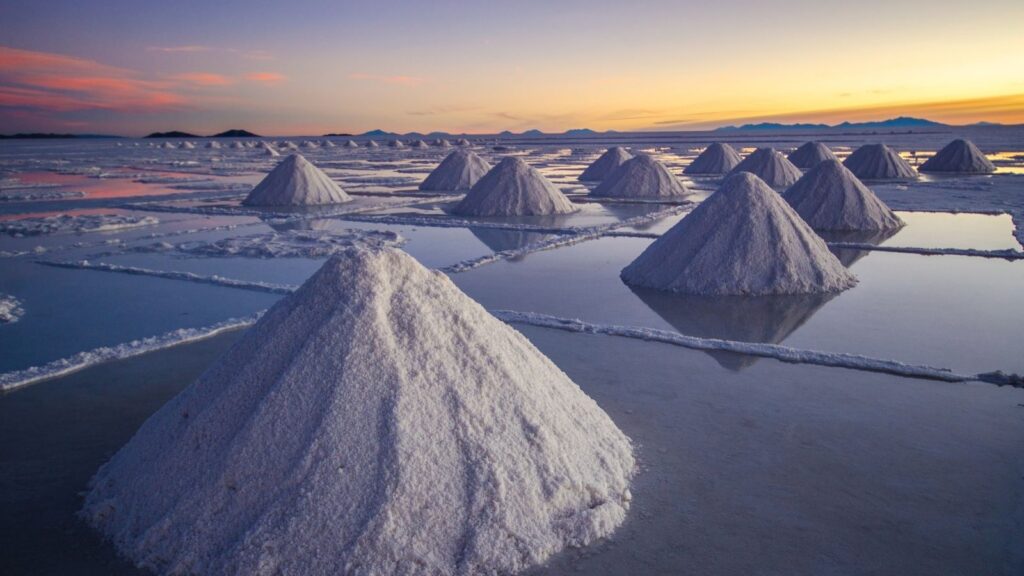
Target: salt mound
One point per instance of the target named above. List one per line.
(296, 182)
(810, 154)
(236, 145)
(460, 170)
(213, 144)
(420, 144)
(351, 144)
(309, 144)
(770, 166)
(396, 144)
(186, 146)
(959, 156)
(377, 421)
(640, 177)
(744, 239)
(328, 144)
(167, 145)
(605, 165)
(442, 143)
(513, 188)
(718, 158)
(372, 144)
(830, 197)
(878, 162)
(269, 151)
(462, 142)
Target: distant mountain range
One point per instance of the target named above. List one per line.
(233, 133)
(900, 122)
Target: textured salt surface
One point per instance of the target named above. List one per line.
(171, 275)
(830, 197)
(286, 244)
(810, 154)
(513, 188)
(296, 182)
(744, 239)
(377, 421)
(960, 156)
(770, 166)
(460, 170)
(26, 194)
(10, 309)
(879, 162)
(74, 224)
(606, 164)
(718, 158)
(640, 177)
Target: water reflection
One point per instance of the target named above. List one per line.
(849, 256)
(761, 319)
(499, 240)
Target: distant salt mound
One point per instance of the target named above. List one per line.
(743, 240)
(460, 170)
(718, 158)
(442, 143)
(187, 146)
(168, 145)
(289, 146)
(351, 144)
(328, 144)
(420, 144)
(309, 144)
(236, 145)
(960, 156)
(372, 144)
(830, 197)
(462, 142)
(605, 164)
(269, 150)
(296, 182)
(810, 154)
(213, 144)
(353, 430)
(513, 188)
(770, 166)
(878, 162)
(640, 177)
(396, 144)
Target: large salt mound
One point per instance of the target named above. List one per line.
(513, 188)
(460, 170)
(605, 165)
(296, 182)
(770, 166)
(830, 197)
(377, 421)
(744, 239)
(810, 155)
(878, 162)
(959, 156)
(718, 158)
(640, 177)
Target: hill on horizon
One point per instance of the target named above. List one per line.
(899, 122)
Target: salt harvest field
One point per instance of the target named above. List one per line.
(867, 418)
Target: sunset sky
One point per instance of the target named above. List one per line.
(131, 67)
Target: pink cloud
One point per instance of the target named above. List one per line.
(266, 77)
(398, 80)
(204, 79)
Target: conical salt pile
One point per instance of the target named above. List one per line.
(269, 151)
(420, 144)
(462, 142)
(167, 145)
(830, 197)
(770, 166)
(309, 144)
(236, 145)
(605, 164)
(878, 162)
(810, 155)
(186, 146)
(372, 144)
(213, 144)
(377, 421)
(718, 158)
(960, 156)
(460, 170)
(296, 182)
(640, 177)
(513, 188)
(396, 144)
(442, 143)
(744, 239)
(328, 144)
(351, 144)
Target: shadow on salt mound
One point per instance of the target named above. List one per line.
(296, 182)
(830, 197)
(879, 162)
(759, 319)
(353, 426)
(742, 240)
(718, 158)
(770, 166)
(810, 155)
(514, 188)
(961, 157)
(460, 170)
(606, 164)
(640, 177)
